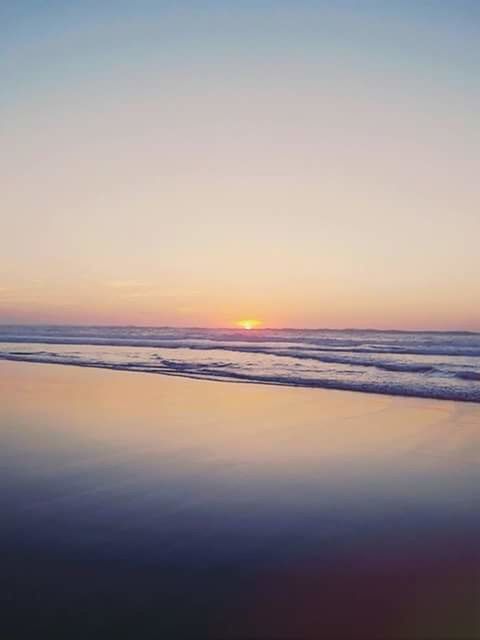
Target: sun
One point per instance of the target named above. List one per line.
(248, 325)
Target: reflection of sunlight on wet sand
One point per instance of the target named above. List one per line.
(348, 510)
(267, 427)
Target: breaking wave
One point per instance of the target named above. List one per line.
(422, 364)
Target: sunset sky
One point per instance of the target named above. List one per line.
(306, 164)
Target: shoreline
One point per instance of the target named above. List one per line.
(240, 378)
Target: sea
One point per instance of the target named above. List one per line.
(440, 365)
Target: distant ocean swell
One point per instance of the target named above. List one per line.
(427, 365)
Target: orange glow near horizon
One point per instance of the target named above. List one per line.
(271, 184)
(248, 325)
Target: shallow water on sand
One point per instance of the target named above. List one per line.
(140, 506)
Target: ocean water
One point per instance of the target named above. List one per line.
(420, 364)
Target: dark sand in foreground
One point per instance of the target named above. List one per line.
(143, 506)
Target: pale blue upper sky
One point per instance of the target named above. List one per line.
(307, 163)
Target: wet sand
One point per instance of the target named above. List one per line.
(145, 506)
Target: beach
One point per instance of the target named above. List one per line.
(240, 321)
(139, 505)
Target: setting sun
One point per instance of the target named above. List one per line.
(248, 324)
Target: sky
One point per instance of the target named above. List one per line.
(306, 164)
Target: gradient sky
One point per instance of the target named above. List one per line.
(192, 163)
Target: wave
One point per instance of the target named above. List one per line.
(228, 340)
(434, 365)
(279, 353)
(236, 345)
(468, 375)
(219, 371)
